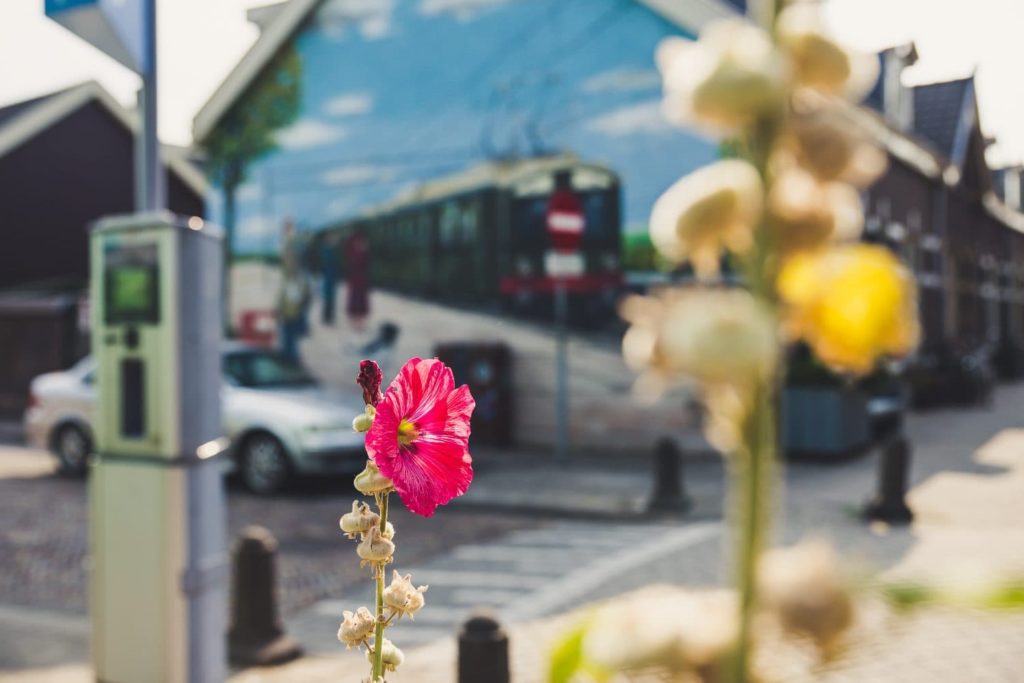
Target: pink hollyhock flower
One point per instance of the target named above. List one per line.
(420, 436)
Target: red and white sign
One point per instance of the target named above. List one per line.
(565, 221)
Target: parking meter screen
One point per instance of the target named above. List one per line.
(131, 284)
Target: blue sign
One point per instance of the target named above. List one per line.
(113, 26)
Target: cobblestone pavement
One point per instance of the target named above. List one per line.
(43, 535)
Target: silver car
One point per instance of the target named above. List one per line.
(280, 421)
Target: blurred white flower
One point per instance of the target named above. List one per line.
(710, 210)
(676, 631)
(832, 149)
(714, 336)
(727, 79)
(804, 587)
(819, 61)
(805, 213)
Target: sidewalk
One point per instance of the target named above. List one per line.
(968, 498)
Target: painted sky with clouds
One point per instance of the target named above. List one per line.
(396, 92)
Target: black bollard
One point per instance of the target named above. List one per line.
(256, 636)
(669, 491)
(893, 471)
(483, 650)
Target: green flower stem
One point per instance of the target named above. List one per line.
(378, 634)
(753, 473)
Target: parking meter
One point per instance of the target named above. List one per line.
(158, 583)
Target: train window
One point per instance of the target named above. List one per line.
(530, 223)
(596, 208)
(449, 223)
(470, 223)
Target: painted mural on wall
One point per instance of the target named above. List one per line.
(372, 97)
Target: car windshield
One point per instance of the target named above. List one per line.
(264, 369)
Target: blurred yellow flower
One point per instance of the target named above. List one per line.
(723, 81)
(715, 336)
(805, 213)
(819, 62)
(706, 212)
(852, 304)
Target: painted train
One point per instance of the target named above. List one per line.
(478, 238)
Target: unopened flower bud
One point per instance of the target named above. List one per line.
(359, 521)
(708, 212)
(819, 61)
(371, 481)
(391, 656)
(806, 213)
(402, 597)
(804, 587)
(356, 627)
(362, 422)
(727, 79)
(374, 547)
(389, 531)
(369, 380)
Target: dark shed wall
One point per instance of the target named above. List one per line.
(58, 182)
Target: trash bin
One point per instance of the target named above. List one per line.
(486, 368)
(257, 327)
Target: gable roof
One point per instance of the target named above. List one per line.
(943, 116)
(280, 22)
(22, 121)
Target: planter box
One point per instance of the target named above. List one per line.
(826, 421)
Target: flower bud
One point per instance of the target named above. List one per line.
(806, 214)
(706, 212)
(371, 481)
(831, 148)
(391, 656)
(389, 531)
(819, 61)
(369, 380)
(714, 336)
(361, 423)
(671, 630)
(804, 587)
(402, 597)
(728, 79)
(356, 628)
(359, 521)
(374, 547)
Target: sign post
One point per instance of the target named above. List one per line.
(565, 222)
(126, 31)
(157, 521)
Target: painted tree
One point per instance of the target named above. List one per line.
(246, 132)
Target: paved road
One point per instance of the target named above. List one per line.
(524, 575)
(43, 535)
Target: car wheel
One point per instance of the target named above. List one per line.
(265, 467)
(74, 450)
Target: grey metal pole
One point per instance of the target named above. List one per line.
(150, 184)
(562, 371)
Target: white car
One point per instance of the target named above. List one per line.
(279, 420)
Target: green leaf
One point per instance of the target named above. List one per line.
(1008, 596)
(567, 657)
(567, 660)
